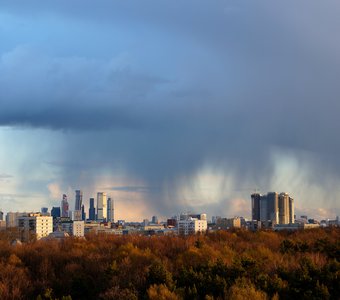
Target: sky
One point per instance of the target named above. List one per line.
(170, 107)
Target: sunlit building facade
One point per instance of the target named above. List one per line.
(78, 228)
(192, 223)
(101, 206)
(35, 223)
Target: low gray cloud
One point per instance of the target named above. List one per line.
(5, 176)
(168, 90)
(134, 189)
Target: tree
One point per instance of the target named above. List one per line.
(243, 289)
(161, 292)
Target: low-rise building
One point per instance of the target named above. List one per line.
(228, 223)
(295, 226)
(191, 226)
(153, 227)
(78, 228)
(172, 222)
(335, 222)
(35, 223)
(73, 228)
(57, 235)
(12, 218)
(254, 225)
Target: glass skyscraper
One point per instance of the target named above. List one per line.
(110, 210)
(92, 210)
(79, 200)
(101, 207)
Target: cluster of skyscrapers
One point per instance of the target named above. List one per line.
(272, 207)
(271, 211)
(104, 211)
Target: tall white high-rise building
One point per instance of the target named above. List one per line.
(291, 210)
(101, 206)
(284, 209)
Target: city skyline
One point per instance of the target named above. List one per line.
(270, 208)
(169, 106)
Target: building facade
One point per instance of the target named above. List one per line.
(83, 213)
(255, 206)
(35, 223)
(64, 207)
(12, 218)
(55, 212)
(228, 223)
(79, 200)
(101, 207)
(291, 211)
(284, 209)
(76, 215)
(272, 208)
(92, 210)
(78, 228)
(190, 225)
(110, 210)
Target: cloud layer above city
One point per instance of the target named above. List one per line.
(170, 107)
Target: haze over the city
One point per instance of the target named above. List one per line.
(170, 106)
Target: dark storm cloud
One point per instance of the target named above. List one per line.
(76, 119)
(218, 83)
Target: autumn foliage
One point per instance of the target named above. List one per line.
(221, 265)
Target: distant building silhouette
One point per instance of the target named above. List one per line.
(92, 210)
(272, 212)
(255, 206)
(55, 212)
(79, 200)
(64, 206)
(44, 210)
(83, 213)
